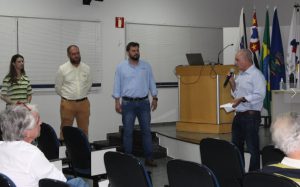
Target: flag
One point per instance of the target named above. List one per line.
(292, 60)
(277, 66)
(264, 63)
(254, 40)
(242, 37)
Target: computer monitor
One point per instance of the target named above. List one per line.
(194, 59)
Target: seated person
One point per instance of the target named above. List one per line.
(21, 161)
(286, 136)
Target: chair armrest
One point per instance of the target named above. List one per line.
(57, 163)
(62, 151)
(103, 183)
(97, 161)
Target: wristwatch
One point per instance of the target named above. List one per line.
(244, 99)
(155, 98)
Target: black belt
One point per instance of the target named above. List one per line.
(75, 100)
(135, 98)
(248, 112)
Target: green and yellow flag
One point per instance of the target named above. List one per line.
(265, 61)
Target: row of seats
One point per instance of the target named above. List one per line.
(222, 157)
(185, 173)
(222, 166)
(180, 174)
(226, 162)
(83, 161)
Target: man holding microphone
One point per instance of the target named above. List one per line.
(248, 90)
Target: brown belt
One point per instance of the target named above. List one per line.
(135, 98)
(75, 100)
(248, 112)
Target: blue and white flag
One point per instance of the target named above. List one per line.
(292, 60)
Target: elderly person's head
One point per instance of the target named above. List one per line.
(20, 122)
(243, 59)
(286, 133)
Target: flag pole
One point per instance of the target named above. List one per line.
(245, 33)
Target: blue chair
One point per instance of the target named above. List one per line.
(48, 142)
(85, 162)
(52, 183)
(271, 155)
(125, 170)
(5, 181)
(183, 173)
(224, 159)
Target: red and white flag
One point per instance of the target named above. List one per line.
(254, 40)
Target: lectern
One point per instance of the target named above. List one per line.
(201, 93)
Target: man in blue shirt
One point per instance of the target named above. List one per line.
(133, 81)
(248, 90)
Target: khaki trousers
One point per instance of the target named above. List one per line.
(79, 110)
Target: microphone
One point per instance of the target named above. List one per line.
(228, 77)
(222, 51)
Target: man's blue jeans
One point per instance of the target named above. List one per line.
(141, 110)
(245, 129)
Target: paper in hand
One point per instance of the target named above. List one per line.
(227, 107)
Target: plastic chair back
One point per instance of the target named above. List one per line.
(224, 159)
(185, 173)
(125, 170)
(48, 142)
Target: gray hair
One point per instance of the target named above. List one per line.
(248, 55)
(15, 120)
(286, 132)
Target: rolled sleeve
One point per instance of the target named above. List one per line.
(152, 84)
(259, 91)
(58, 82)
(117, 84)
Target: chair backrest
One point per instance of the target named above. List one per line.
(125, 170)
(271, 155)
(52, 183)
(48, 142)
(78, 148)
(259, 179)
(5, 181)
(189, 174)
(224, 159)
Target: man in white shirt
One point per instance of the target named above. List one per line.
(248, 90)
(73, 81)
(21, 161)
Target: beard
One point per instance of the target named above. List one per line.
(75, 60)
(135, 57)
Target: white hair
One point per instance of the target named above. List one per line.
(15, 119)
(286, 132)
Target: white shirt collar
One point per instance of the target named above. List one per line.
(291, 162)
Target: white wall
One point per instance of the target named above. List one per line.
(209, 13)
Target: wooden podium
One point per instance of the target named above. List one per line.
(201, 93)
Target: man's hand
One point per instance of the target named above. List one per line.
(154, 104)
(237, 101)
(118, 106)
(232, 83)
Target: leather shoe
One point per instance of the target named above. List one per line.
(150, 162)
